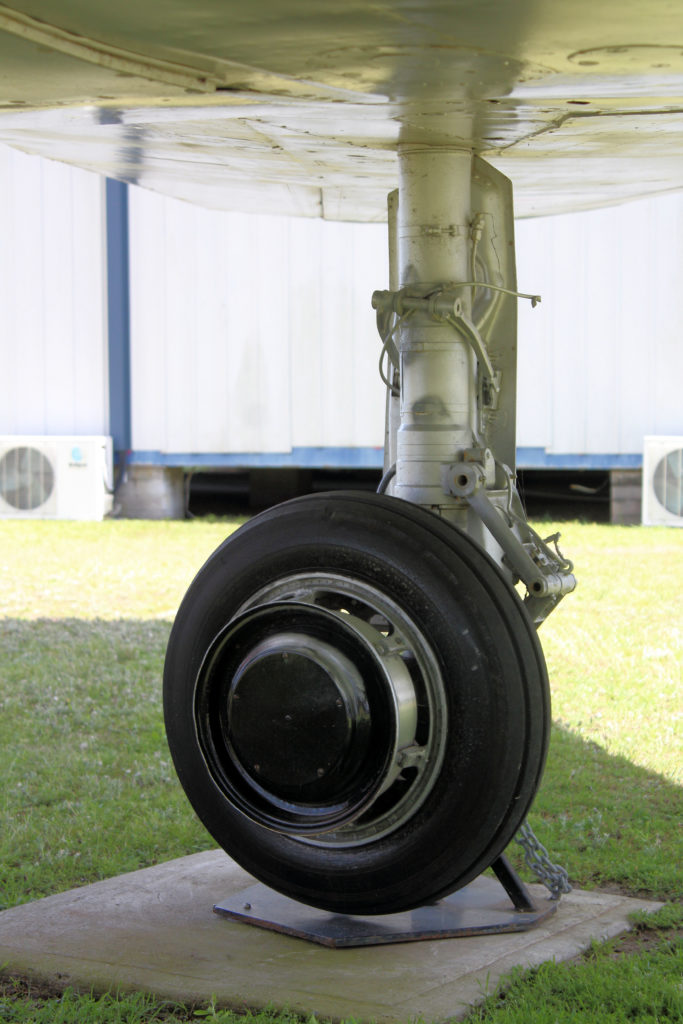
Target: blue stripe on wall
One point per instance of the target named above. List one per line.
(364, 458)
(118, 305)
(539, 458)
(302, 458)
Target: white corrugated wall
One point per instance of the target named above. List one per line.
(255, 334)
(53, 342)
(601, 358)
(252, 333)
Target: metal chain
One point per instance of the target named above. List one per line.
(553, 876)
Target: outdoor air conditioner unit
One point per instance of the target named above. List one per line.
(55, 477)
(663, 481)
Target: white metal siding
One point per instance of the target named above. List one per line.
(255, 334)
(53, 351)
(252, 333)
(601, 359)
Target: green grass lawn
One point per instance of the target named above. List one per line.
(89, 790)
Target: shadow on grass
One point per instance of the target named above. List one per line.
(609, 822)
(89, 790)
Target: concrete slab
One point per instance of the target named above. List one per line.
(155, 930)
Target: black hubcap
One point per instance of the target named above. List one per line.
(295, 717)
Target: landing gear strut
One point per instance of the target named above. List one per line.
(355, 697)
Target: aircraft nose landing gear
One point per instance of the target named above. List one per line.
(355, 697)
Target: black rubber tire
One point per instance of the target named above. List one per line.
(496, 689)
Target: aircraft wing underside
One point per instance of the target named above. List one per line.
(299, 107)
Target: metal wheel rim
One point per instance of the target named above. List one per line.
(405, 639)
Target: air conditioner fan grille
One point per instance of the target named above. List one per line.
(27, 478)
(667, 481)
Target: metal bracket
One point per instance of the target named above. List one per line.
(446, 305)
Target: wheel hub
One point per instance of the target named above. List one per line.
(305, 715)
(298, 713)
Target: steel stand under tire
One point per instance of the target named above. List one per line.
(356, 703)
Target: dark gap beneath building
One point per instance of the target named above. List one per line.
(553, 494)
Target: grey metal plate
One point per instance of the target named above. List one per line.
(481, 908)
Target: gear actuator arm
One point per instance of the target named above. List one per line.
(546, 574)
